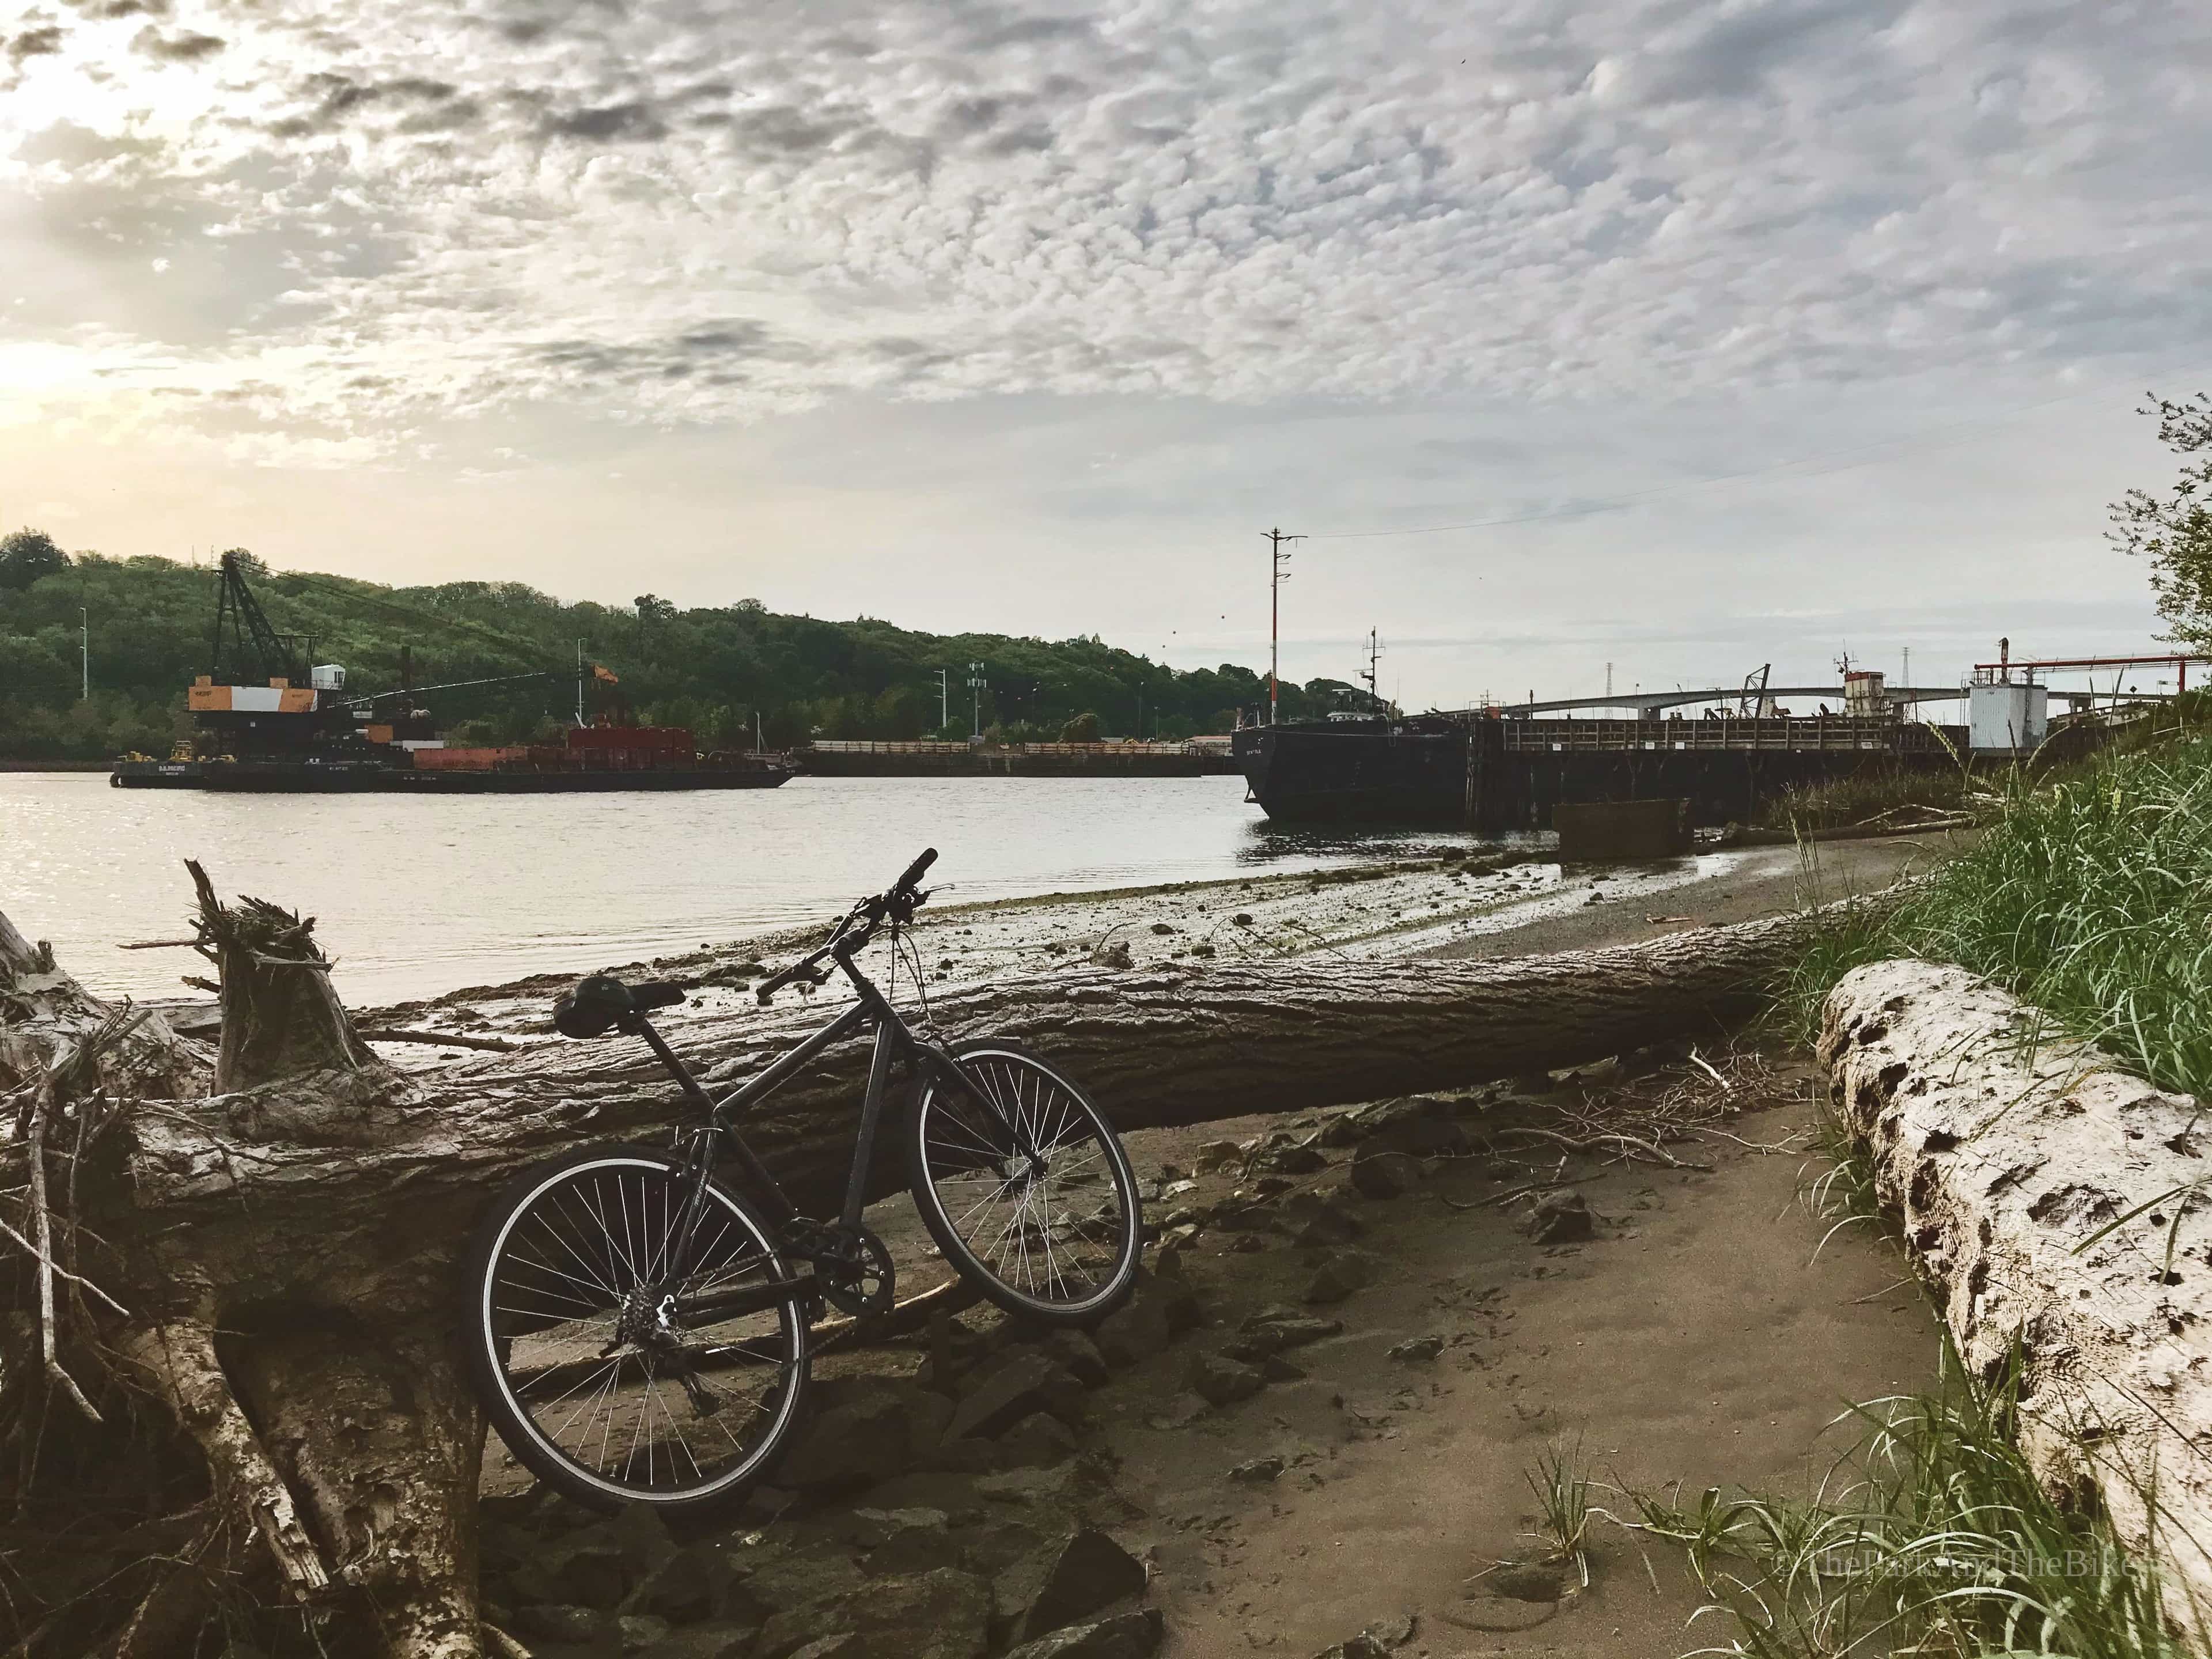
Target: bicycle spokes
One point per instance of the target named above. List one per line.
(1023, 1176)
(594, 1350)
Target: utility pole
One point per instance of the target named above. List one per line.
(943, 706)
(580, 682)
(1276, 575)
(976, 685)
(84, 649)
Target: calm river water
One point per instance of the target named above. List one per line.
(419, 896)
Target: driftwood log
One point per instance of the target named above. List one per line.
(285, 1248)
(2057, 1206)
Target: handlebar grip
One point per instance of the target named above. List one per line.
(915, 871)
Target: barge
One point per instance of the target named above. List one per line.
(267, 719)
(1495, 770)
(537, 772)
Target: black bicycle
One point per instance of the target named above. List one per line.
(638, 1327)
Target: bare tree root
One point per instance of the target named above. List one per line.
(179, 1360)
(382, 1439)
(332, 1446)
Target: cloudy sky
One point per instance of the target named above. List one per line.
(1679, 336)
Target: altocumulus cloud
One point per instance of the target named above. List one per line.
(677, 210)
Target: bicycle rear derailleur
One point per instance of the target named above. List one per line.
(852, 1266)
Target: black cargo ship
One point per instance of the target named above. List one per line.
(1488, 770)
(1372, 769)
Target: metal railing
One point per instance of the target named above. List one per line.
(853, 746)
(1814, 733)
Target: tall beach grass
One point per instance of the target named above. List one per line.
(2089, 896)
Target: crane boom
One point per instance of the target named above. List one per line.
(240, 619)
(375, 697)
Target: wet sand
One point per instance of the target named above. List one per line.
(1761, 881)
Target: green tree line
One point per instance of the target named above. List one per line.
(725, 671)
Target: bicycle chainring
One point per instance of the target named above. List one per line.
(854, 1270)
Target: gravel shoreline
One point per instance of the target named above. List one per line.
(1510, 903)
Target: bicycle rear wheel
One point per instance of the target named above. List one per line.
(583, 1357)
(1051, 1235)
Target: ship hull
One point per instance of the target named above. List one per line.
(308, 778)
(1355, 773)
(1496, 775)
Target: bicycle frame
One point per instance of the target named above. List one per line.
(895, 1040)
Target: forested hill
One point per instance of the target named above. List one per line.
(712, 669)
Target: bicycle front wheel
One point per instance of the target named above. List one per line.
(584, 1355)
(1023, 1184)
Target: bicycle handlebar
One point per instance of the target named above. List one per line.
(916, 870)
(898, 904)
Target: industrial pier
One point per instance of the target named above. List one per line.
(1506, 768)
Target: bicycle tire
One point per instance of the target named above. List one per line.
(520, 1221)
(1064, 1113)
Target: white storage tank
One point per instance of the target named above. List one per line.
(2006, 719)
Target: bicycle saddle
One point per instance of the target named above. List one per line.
(598, 1003)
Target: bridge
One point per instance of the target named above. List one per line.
(1648, 703)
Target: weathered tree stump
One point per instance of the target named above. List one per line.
(2008, 1157)
(281, 1016)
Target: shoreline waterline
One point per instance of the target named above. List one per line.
(415, 898)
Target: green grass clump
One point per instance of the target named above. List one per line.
(1563, 1505)
(1933, 1536)
(2090, 896)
